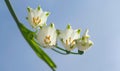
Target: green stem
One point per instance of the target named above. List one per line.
(12, 13)
(67, 52)
(59, 52)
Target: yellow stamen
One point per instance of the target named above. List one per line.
(47, 40)
(36, 20)
(70, 39)
(66, 42)
(72, 43)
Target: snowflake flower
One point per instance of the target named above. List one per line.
(47, 35)
(36, 17)
(84, 43)
(68, 37)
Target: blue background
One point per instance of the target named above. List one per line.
(102, 17)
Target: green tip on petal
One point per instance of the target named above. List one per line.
(27, 18)
(38, 8)
(47, 14)
(68, 26)
(41, 27)
(90, 44)
(62, 40)
(28, 9)
(51, 25)
(44, 24)
(83, 38)
(58, 32)
(78, 31)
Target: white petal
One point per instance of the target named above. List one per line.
(44, 16)
(68, 37)
(65, 34)
(35, 13)
(39, 11)
(75, 35)
(83, 47)
(47, 31)
(86, 33)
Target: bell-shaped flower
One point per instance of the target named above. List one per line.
(68, 37)
(47, 35)
(84, 43)
(36, 17)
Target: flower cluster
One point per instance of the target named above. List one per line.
(47, 35)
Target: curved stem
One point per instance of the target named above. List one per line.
(67, 52)
(60, 48)
(59, 52)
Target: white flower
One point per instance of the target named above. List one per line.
(36, 17)
(68, 37)
(84, 43)
(47, 35)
